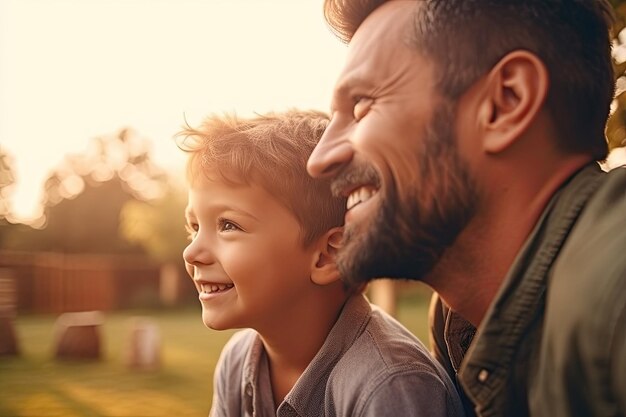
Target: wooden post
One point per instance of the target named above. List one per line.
(143, 350)
(8, 296)
(78, 335)
(169, 284)
(383, 293)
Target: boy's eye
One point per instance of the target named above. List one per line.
(361, 107)
(225, 225)
(192, 230)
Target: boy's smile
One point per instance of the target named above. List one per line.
(208, 289)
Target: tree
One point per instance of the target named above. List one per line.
(84, 195)
(158, 226)
(7, 179)
(616, 127)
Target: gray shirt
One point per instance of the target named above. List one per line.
(369, 365)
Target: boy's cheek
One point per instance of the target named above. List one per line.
(189, 269)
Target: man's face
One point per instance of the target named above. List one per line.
(391, 149)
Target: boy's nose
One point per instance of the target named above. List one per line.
(331, 154)
(197, 254)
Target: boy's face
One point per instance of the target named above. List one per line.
(246, 255)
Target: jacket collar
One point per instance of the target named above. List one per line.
(519, 303)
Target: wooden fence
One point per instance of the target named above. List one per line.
(57, 283)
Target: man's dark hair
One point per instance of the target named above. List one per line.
(466, 38)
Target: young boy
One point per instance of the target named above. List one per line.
(263, 239)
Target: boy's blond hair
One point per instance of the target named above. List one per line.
(270, 151)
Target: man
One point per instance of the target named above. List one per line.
(464, 135)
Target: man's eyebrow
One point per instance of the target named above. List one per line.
(350, 83)
(341, 93)
(347, 84)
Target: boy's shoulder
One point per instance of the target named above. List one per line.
(241, 338)
(385, 346)
(230, 371)
(386, 370)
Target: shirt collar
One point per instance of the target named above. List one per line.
(308, 394)
(258, 399)
(458, 335)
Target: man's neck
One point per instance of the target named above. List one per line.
(471, 272)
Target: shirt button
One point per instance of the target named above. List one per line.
(483, 375)
(249, 390)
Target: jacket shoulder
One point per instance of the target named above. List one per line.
(589, 275)
(585, 307)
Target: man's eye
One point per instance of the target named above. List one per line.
(362, 105)
(225, 225)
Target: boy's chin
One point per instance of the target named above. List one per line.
(211, 323)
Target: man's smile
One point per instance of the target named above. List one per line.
(359, 182)
(360, 195)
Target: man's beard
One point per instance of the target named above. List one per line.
(409, 234)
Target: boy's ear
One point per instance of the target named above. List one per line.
(324, 270)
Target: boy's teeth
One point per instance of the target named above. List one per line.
(211, 288)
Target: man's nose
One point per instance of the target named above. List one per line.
(331, 154)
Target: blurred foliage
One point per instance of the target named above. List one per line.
(616, 127)
(88, 222)
(7, 178)
(85, 193)
(124, 157)
(158, 226)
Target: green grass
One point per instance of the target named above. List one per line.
(413, 310)
(35, 385)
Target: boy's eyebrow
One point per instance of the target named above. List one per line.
(221, 208)
(239, 211)
(188, 212)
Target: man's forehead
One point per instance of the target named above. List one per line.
(378, 43)
(392, 19)
(385, 30)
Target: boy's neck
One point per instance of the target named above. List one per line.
(292, 346)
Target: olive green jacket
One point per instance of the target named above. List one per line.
(553, 342)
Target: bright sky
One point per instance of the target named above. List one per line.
(71, 70)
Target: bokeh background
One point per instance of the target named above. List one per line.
(92, 193)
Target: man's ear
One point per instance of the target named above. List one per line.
(324, 270)
(516, 89)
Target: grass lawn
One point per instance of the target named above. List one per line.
(34, 385)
